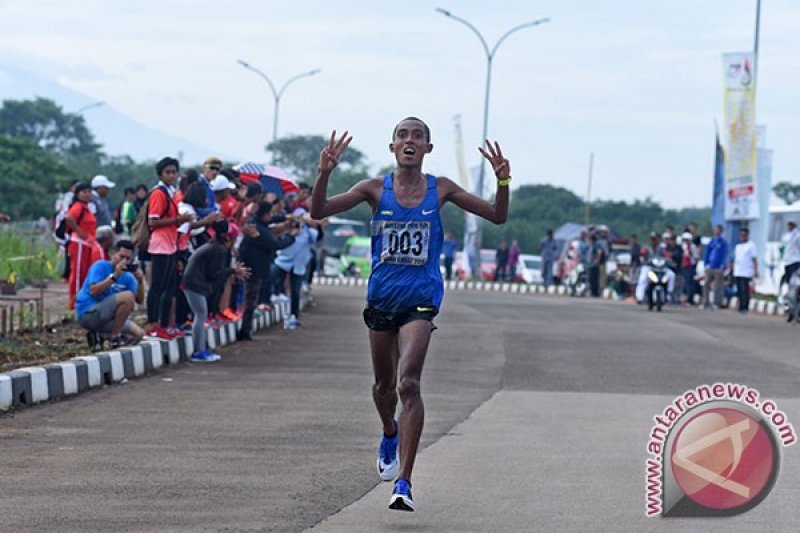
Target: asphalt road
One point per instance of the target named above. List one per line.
(537, 414)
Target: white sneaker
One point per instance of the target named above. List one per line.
(388, 460)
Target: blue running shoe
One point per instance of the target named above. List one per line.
(388, 462)
(401, 496)
(205, 357)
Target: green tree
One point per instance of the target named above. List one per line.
(30, 178)
(44, 123)
(299, 154)
(788, 192)
(536, 208)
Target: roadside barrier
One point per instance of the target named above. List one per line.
(24, 387)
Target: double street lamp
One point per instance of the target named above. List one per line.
(489, 59)
(277, 94)
(71, 117)
(89, 106)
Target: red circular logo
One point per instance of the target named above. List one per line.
(722, 458)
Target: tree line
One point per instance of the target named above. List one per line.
(43, 148)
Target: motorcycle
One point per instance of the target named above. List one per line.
(791, 301)
(657, 281)
(578, 281)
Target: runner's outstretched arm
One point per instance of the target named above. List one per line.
(496, 212)
(321, 205)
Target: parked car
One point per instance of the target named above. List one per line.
(488, 264)
(355, 259)
(530, 268)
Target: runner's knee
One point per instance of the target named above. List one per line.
(408, 388)
(383, 388)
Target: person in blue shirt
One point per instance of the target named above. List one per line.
(548, 249)
(715, 259)
(211, 169)
(405, 288)
(449, 250)
(108, 296)
(293, 261)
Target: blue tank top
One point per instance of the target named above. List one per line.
(406, 244)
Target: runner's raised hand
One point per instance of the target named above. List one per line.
(329, 157)
(501, 165)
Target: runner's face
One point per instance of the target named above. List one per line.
(410, 144)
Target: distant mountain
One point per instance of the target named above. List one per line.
(118, 133)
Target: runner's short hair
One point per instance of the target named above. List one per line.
(424, 126)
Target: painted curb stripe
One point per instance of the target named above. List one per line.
(82, 373)
(147, 355)
(69, 373)
(38, 383)
(21, 390)
(55, 381)
(127, 363)
(6, 392)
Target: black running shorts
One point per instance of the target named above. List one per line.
(377, 320)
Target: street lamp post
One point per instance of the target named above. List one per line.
(79, 112)
(89, 106)
(489, 60)
(277, 94)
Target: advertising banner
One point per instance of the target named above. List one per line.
(741, 199)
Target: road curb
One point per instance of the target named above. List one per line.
(27, 386)
(762, 307)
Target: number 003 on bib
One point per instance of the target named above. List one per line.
(405, 243)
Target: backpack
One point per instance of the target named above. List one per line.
(61, 234)
(140, 231)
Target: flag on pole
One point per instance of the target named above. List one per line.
(718, 202)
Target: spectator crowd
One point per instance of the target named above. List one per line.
(202, 248)
(196, 249)
(705, 271)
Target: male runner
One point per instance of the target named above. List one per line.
(405, 287)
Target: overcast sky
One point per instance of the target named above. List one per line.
(637, 81)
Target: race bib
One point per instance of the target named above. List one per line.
(405, 243)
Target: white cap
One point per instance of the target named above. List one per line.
(102, 181)
(221, 183)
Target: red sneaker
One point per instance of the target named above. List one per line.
(159, 333)
(220, 317)
(175, 331)
(230, 314)
(213, 322)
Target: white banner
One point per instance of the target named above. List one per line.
(470, 223)
(741, 200)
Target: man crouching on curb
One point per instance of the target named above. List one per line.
(108, 296)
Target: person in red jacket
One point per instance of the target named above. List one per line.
(82, 225)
